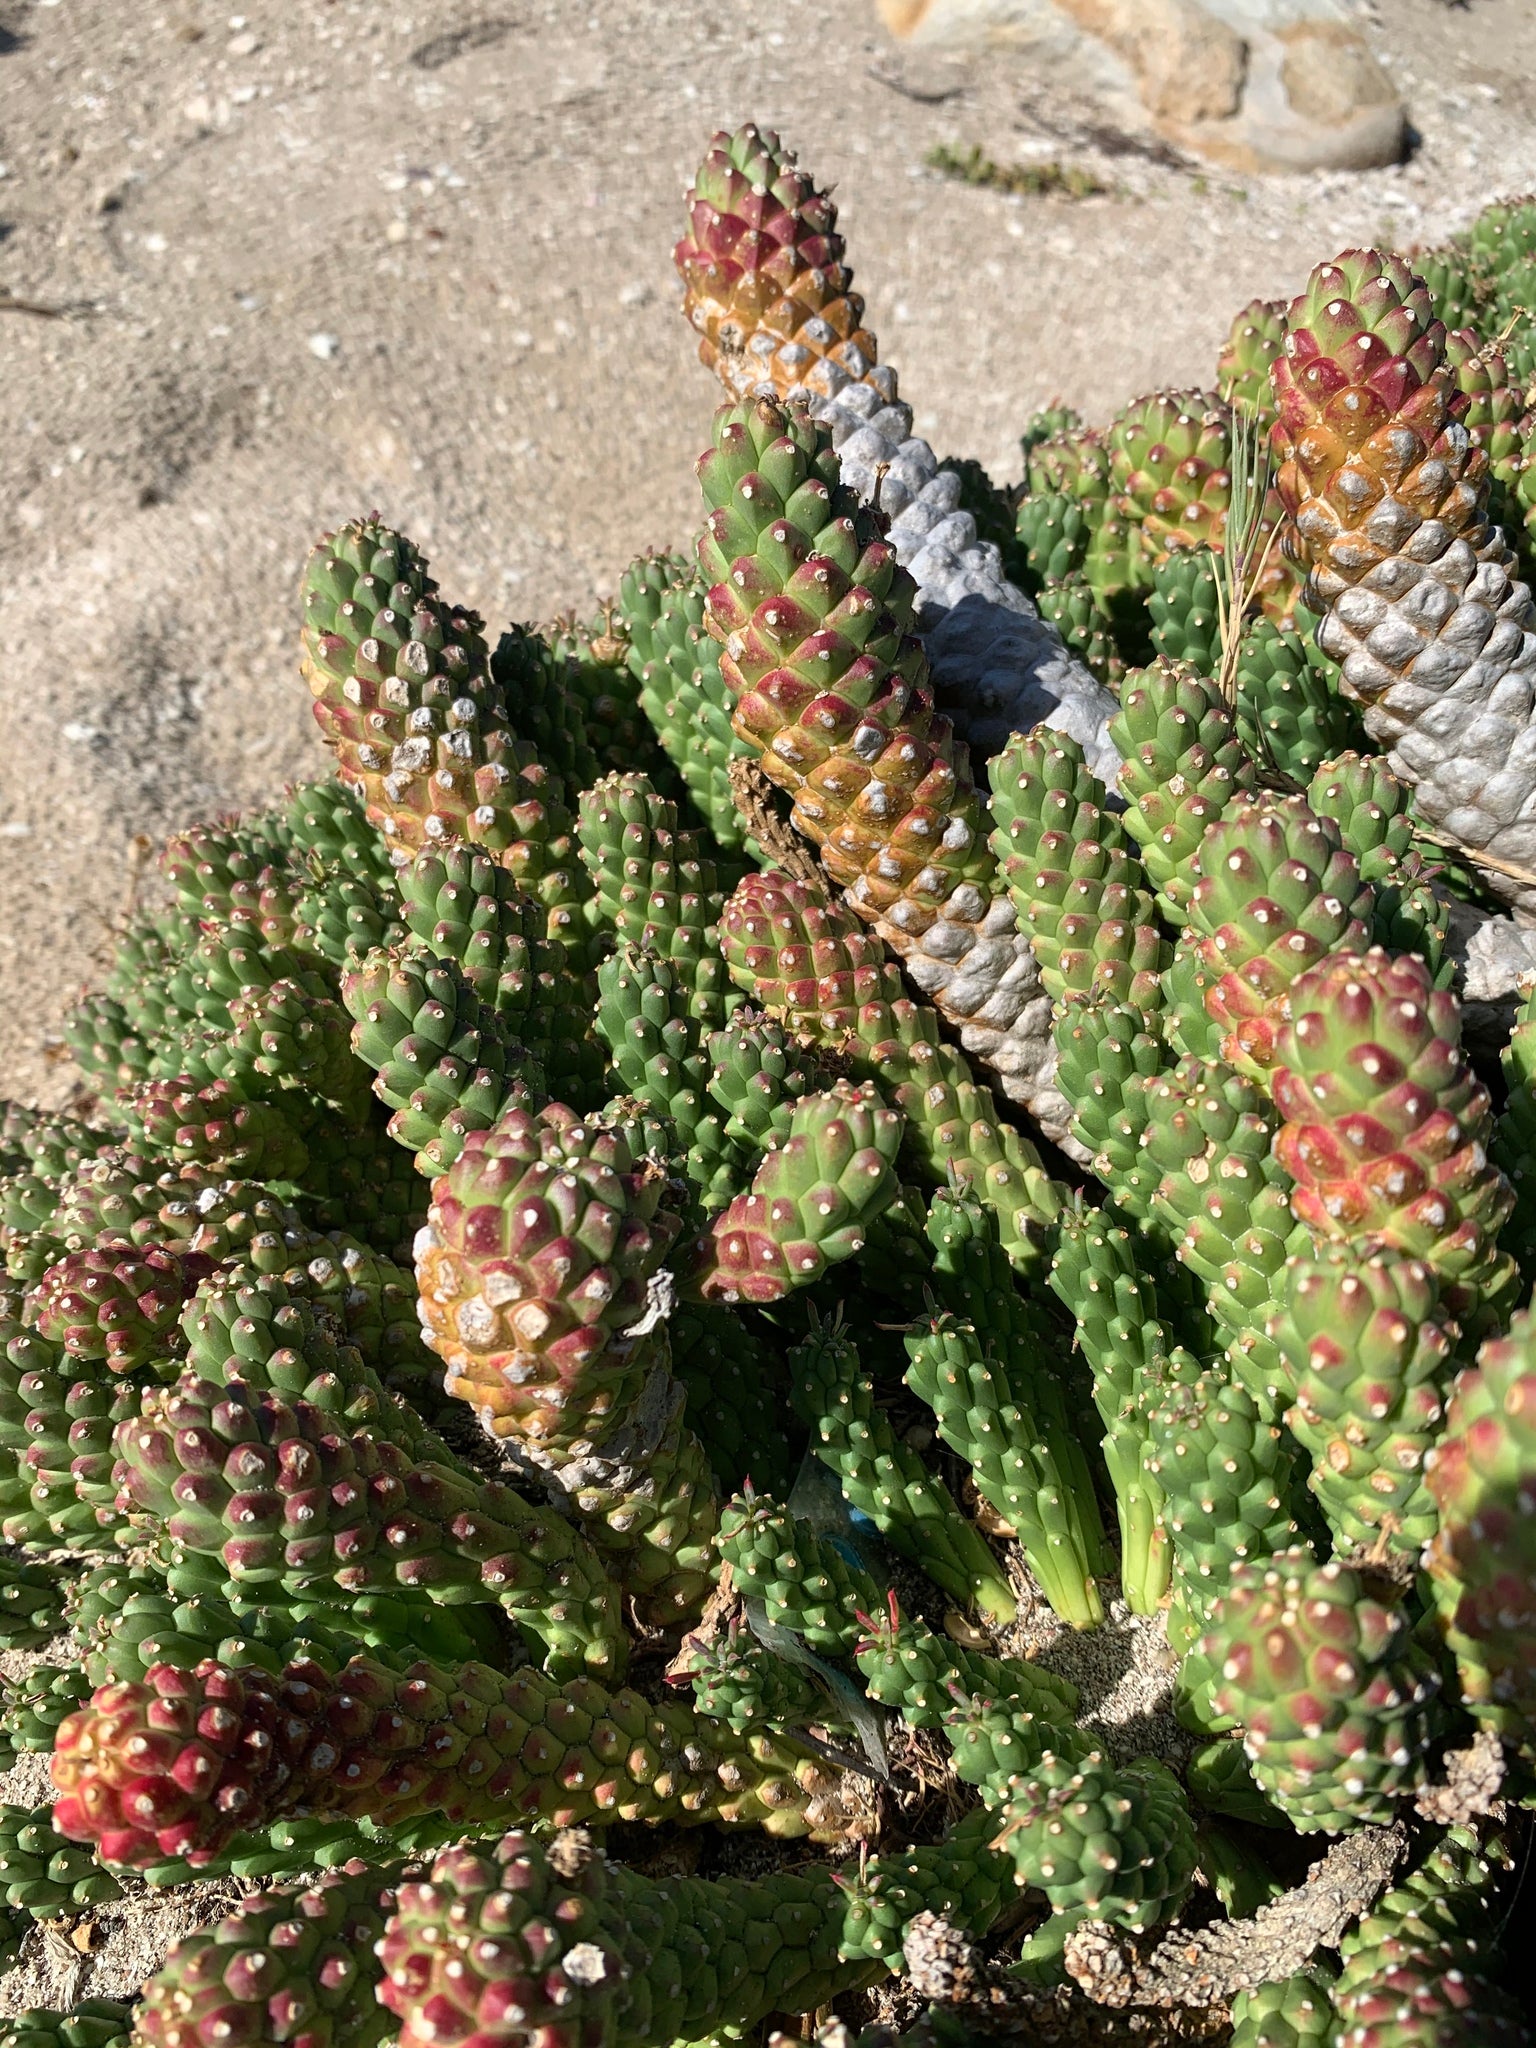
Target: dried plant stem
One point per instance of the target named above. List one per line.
(1243, 558)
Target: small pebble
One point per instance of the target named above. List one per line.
(325, 346)
(245, 45)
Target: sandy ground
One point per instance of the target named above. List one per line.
(330, 256)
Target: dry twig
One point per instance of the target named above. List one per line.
(783, 846)
(1236, 1955)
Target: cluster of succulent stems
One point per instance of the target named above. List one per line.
(771, 1144)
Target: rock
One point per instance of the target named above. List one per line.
(923, 18)
(1315, 97)
(1257, 85)
(1328, 75)
(1189, 64)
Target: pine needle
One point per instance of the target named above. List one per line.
(1246, 548)
(1478, 856)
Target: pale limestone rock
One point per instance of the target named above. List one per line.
(1258, 85)
(1190, 65)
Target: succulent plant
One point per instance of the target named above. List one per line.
(762, 268)
(1386, 1127)
(1113, 1842)
(298, 1502)
(814, 613)
(535, 1261)
(31, 1603)
(792, 1139)
(1183, 764)
(1336, 1698)
(93, 2023)
(293, 1961)
(1368, 1354)
(1297, 2013)
(1256, 337)
(883, 1478)
(173, 1764)
(1169, 475)
(1479, 1475)
(991, 1413)
(1421, 1966)
(1374, 444)
(808, 964)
